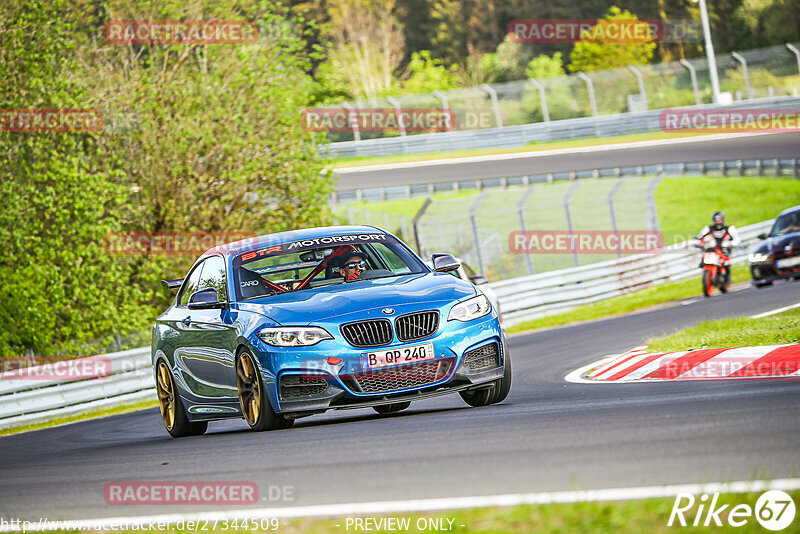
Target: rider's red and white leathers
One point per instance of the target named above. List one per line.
(725, 238)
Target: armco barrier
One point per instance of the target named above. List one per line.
(538, 295)
(30, 401)
(539, 132)
(131, 379)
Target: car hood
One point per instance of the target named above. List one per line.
(326, 303)
(778, 243)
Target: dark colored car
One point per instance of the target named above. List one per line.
(778, 257)
(269, 330)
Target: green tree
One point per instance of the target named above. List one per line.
(59, 196)
(545, 66)
(425, 74)
(598, 53)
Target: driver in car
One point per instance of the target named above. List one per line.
(352, 267)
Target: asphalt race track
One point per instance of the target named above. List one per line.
(764, 146)
(548, 435)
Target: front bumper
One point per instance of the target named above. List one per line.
(317, 386)
(766, 272)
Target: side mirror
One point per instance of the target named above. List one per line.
(762, 236)
(205, 298)
(478, 279)
(444, 263)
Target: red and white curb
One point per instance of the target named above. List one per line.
(639, 365)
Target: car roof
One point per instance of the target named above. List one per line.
(280, 238)
(789, 210)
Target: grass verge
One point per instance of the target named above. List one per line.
(636, 300)
(648, 515)
(736, 332)
(93, 414)
(358, 161)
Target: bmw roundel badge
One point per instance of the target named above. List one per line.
(388, 311)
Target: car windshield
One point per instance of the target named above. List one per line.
(315, 263)
(786, 224)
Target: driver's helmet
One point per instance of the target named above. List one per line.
(718, 220)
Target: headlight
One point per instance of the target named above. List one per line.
(300, 336)
(758, 257)
(470, 309)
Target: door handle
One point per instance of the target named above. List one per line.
(187, 320)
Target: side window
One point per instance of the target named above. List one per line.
(191, 284)
(214, 276)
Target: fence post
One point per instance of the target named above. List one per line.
(793, 49)
(570, 229)
(590, 87)
(693, 76)
(652, 212)
(611, 212)
(398, 113)
(743, 62)
(640, 79)
(521, 215)
(475, 235)
(353, 120)
(493, 95)
(542, 98)
(415, 224)
(446, 108)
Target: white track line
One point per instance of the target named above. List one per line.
(431, 505)
(546, 153)
(775, 311)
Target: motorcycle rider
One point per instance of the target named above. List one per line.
(718, 234)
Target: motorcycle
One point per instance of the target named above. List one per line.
(716, 271)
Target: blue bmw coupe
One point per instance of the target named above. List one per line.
(292, 324)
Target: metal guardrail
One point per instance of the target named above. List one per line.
(539, 295)
(29, 400)
(739, 167)
(539, 132)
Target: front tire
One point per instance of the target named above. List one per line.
(391, 408)
(494, 394)
(707, 285)
(172, 412)
(256, 409)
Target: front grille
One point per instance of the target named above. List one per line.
(297, 386)
(416, 325)
(482, 358)
(394, 378)
(370, 333)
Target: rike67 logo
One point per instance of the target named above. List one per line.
(774, 510)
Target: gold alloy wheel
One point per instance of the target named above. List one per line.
(166, 395)
(249, 388)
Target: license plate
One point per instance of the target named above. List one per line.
(788, 262)
(397, 356)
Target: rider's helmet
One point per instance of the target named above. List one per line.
(718, 220)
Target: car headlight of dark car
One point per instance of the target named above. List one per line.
(758, 257)
(470, 309)
(294, 336)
